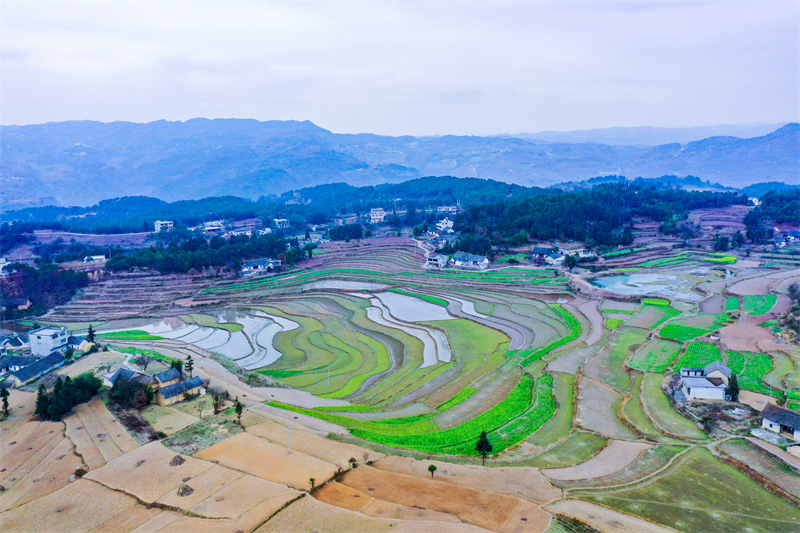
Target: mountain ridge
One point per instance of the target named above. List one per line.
(82, 162)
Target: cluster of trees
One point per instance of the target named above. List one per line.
(194, 251)
(346, 232)
(599, 215)
(45, 286)
(778, 207)
(471, 244)
(66, 394)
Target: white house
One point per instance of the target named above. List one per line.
(447, 209)
(462, 259)
(781, 421)
(281, 223)
(45, 341)
(215, 227)
(437, 261)
(260, 265)
(444, 224)
(376, 215)
(708, 383)
(163, 224)
(94, 259)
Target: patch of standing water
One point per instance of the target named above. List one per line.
(670, 284)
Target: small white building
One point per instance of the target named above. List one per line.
(447, 209)
(45, 341)
(94, 259)
(163, 224)
(261, 265)
(376, 215)
(781, 421)
(281, 223)
(708, 383)
(445, 224)
(437, 261)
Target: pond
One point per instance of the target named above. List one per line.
(669, 285)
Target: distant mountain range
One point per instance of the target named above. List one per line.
(83, 162)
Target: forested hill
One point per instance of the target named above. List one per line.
(81, 163)
(600, 214)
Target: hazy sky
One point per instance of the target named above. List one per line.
(404, 67)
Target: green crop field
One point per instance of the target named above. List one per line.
(655, 356)
(698, 355)
(683, 330)
(751, 368)
(613, 323)
(654, 301)
(696, 495)
(130, 335)
(758, 305)
(731, 303)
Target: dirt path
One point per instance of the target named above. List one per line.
(774, 450)
(616, 456)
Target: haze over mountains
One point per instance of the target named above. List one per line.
(82, 162)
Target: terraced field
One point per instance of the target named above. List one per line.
(365, 356)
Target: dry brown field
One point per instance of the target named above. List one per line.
(204, 485)
(597, 410)
(247, 492)
(267, 460)
(616, 456)
(146, 472)
(23, 442)
(97, 435)
(491, 511)
(605, 519)
(310, 514)
(520, 482)
(715, 304)
(37, 478)
(349, 498)
(67, 510)
(751, 287)
(337, 453)
(20, 403)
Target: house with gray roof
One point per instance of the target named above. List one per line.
(37, 369)
(167, 377)
(174, 393)
(463, 259)
(707, 383)
(781, 421)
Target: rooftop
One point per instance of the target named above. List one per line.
(39, 367)
(783, 416)
(168, 375)
(181, 387)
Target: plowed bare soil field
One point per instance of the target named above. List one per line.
(521, 482)
(492, 511)
(44, 472)
(337, 453)
(310, 514)
(267, 460)
(146, 472)
(246, 493)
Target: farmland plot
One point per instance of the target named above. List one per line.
(616, 456)
(655, 356)
(480, 508)
(247, 453)
(660, 411)
(681, 498)
(597, 410)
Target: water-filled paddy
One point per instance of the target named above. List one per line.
(668, 284)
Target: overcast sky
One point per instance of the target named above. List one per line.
(404, 67)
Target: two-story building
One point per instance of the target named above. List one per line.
(44, 341)
(166, 225)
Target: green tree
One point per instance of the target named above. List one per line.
(483, 447)
(733, 388)
(431, 469)
(42, 403)
(312, 480)
(308, 236)
(189, 365)
(570, 261)
(177, 364)
(90, 334)
(69, 354)
(239, 408)
(4, 396)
